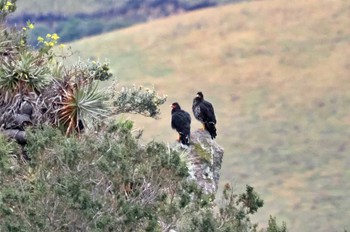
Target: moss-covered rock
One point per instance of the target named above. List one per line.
(204, 158)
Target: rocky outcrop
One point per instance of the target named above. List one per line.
(204, 158)
(15, 117)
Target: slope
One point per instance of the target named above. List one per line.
(77, 19)
(277, 73)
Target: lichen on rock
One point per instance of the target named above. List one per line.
(203, 158)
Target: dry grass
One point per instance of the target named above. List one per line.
(277, 73)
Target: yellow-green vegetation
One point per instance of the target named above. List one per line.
(277, 73)
(203, 154)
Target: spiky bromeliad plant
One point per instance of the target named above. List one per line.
(26, 73)
(78, 104)
(71, 99)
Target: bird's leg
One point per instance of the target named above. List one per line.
(178, 139)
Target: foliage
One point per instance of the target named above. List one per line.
(46, 44)
(97, 69)
(27, 73)
(80, 103)
(238, 207)
(6, 7)
(8, 151)
(138, 100)
(101, 182)
(107, 181)
(273, 227)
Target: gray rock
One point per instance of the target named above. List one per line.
(26, 108)
(18, 135)
(204, 158)
(22, 120)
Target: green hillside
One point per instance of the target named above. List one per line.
(277, 73)
(77, 19)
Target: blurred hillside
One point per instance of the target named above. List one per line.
(77, 19)
(277, 73)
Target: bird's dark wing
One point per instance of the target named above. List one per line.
(205, 113)
(181, 121)
(187, 117)
(209, 111)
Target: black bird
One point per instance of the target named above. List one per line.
(181, 122)
(204, 112)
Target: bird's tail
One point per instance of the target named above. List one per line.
(210, 127)
(185, 138)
